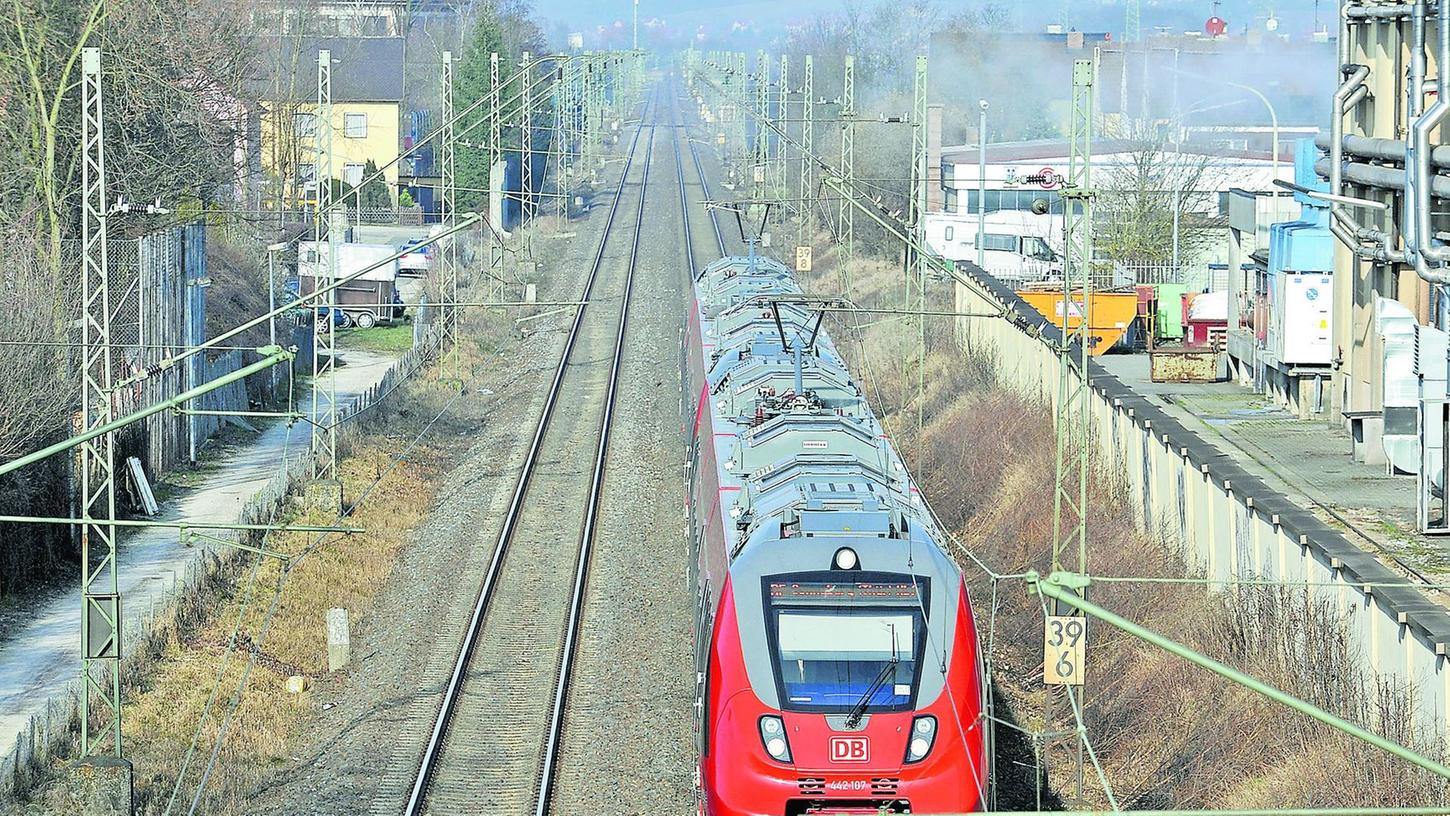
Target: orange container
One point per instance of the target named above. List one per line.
(1112, 313)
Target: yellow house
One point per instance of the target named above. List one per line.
(367, 99)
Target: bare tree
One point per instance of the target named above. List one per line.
(39, 391)
(1155, 195)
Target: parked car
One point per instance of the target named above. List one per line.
(340, 319)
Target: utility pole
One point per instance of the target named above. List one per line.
(847, 224)
(494, 153)
(762, 133)
(1073, 420)
(448, 254)
(526, 152)
(100, 591)
(916, 260)
(777, 178)
(559, 139)
(982, 105)
(807, 178)
(324, 338)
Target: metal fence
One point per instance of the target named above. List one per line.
(158, 308)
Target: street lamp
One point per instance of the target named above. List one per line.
(272, 251)
(1273, 122)
(982, 184)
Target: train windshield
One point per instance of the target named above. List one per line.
(838, 646)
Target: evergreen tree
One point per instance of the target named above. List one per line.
(374, 193)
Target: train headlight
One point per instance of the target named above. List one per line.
(845, 558)
(923, 736)
(772, 736)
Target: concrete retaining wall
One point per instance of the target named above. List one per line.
(1227, 523)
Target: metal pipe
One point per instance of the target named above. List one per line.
(1414, 113)
(1385, 178)
(1424, 249)
(1378, 13)
(1341, 223)
(272, 356)
(1060, 586)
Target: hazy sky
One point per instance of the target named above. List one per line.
(1295, 16)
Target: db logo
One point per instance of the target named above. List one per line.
(850, 749)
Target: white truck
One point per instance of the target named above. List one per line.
(1018, 246)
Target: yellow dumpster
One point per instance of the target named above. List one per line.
(1112, 314)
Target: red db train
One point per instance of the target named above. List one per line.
(837, 659)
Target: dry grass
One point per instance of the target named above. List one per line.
(161, 715)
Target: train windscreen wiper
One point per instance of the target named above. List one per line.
(859, 710)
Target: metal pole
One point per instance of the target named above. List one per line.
(808, 128)
(100, 592)
(324, 338)
(782, 100)
(982, 184)
(1073, 418)
(272, 251)
(447, 208)
(848, 169)
(526, 143)
(916, 257)
(636, 25)
(494, 153)
(1065, 588)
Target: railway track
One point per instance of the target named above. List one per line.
(495, 739)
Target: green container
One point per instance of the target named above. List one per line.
(1168, 323)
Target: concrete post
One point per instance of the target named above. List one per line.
(339, 640)
(102, 786)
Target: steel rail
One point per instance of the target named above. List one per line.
(455, 685)
(705, 190)
(676, 127)
(586, 537)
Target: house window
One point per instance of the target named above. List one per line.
(306, 173)
(951, 232)
(352, 173)
(304, 124)
(355, 125)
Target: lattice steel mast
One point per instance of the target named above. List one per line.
(324, 338)
(807, 171)
(1073, 419)
(100, 591)
(448, 254)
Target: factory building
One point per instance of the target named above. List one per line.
(1386, 151)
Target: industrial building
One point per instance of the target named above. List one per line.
(1386, 150)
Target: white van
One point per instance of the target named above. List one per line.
(1016, 246)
